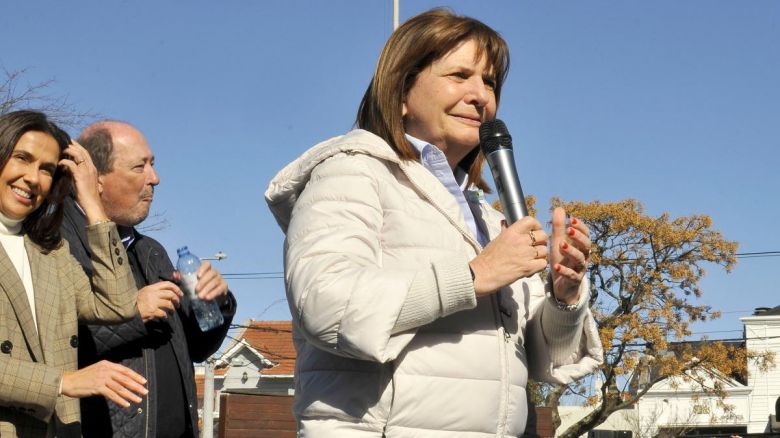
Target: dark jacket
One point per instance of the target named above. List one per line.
(133, 343)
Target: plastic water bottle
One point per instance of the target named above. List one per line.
(206, 312)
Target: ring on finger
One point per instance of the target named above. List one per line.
(533, 238)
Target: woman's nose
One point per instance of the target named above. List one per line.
(479, 92)
(31, 176)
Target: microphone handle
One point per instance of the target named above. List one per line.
(502, 166)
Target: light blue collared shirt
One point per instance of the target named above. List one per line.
(435, 161)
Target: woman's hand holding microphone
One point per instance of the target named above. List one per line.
(520, 250)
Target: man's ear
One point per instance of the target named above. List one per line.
(100, 184)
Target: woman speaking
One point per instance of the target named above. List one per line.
(415, 312)
(44, 293)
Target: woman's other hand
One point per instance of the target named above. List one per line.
(113, 381)
(85, 181)
(569, 253)
(519, 251)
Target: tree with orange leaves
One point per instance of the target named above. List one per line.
(644, 276)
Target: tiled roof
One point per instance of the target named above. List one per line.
(273, 339)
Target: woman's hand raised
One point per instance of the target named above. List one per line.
(569, 254)
(519, 251)
(85, 181)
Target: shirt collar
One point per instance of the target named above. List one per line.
(428, 150)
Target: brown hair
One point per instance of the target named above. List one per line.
(416, 44)
(43, 224)
(100, 145)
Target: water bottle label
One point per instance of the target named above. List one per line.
(188, 283)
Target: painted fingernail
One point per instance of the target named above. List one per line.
(574, 220)
(571, 231)
(565, 245)
(557, 268)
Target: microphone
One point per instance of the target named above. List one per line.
(496, 144)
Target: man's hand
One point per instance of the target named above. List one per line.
(113, 381)
(211, 285)
(158, 300)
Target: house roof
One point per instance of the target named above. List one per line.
(679, 348)
(765, 311)
(272, 339)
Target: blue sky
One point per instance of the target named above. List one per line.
(676, 104)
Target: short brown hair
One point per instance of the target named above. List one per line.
(416, 44)
(100, 145)
(98, 140)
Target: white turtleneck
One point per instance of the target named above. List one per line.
(13, 243)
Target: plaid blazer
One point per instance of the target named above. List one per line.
(32, 359)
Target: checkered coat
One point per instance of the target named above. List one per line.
(32, 359)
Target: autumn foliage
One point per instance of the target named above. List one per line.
(645, 278)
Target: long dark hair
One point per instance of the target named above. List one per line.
(43, 224)
(415, 45)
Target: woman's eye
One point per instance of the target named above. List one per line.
(459, 75)
(490, 83)
(48, 169)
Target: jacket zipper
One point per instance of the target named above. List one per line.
(503, 335)
(504, 339)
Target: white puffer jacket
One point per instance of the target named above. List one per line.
(390, 338)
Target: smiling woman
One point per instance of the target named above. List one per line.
(45, 293)
(450, 99)
(415, 313)
(27, 176)
(30, 149)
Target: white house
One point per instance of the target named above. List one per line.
(762, 333)
(260, 360)
(678, 407)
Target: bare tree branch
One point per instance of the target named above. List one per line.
(16, 95)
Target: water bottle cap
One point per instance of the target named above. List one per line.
(182, 250)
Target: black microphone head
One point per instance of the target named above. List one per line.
(493, 135)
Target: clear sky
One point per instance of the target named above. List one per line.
(674, 103)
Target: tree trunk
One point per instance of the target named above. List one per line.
(590, 421)
(552, 401)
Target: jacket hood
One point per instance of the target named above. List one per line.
(287, 185)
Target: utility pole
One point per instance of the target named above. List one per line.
(208, 399)
(395, 14)
(208, 380)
